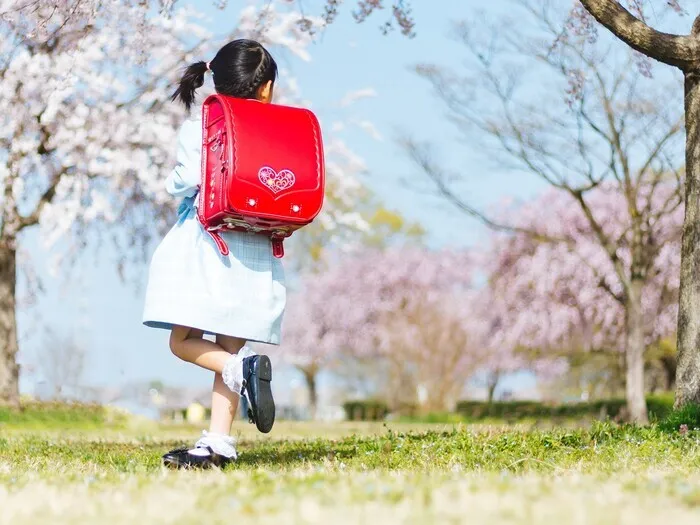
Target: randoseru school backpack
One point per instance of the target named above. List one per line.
(262, 169)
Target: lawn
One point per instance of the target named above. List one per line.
(108, 471)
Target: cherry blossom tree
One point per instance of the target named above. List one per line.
(493, 327)
(88, 130)
(566, 297)
(683, 52)
(404, 308)
(488, 325)
(79, 147)
(400, 16)
(525, 102)
(400, 13)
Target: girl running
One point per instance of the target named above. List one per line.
(193, 290)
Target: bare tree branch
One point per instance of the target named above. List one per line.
(421, 155)
(604, 240)
(45, 199)
(609, 125)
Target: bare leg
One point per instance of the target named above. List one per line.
(188, 344)
(224, 403)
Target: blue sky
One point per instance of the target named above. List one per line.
(105, 315)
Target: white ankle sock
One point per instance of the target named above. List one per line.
(233, 370)
(221, 444)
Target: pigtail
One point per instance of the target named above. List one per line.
(190, 81)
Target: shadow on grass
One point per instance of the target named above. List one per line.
(294, 453)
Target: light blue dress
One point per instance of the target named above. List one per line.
(191, 284)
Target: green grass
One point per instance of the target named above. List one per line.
(687, 416)
(351, 473)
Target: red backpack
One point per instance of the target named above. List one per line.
(262, 169)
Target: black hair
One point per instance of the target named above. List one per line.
(240, 68)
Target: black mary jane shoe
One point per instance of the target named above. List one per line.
(257, 375)
(182, 459)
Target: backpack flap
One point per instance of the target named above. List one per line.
(277, 163)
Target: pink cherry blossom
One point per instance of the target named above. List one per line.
(412, 313)
(560, 295)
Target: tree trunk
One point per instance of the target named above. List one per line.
(310, 376)
(634, 354)
(9, 371)
(688, 373)
(491, 384)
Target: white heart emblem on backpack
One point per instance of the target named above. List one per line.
(276, 181)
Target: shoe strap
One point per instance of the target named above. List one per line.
(201, 445)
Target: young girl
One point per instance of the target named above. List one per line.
(193, 290)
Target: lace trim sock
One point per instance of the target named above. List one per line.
(233, 370)
(220, 444)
